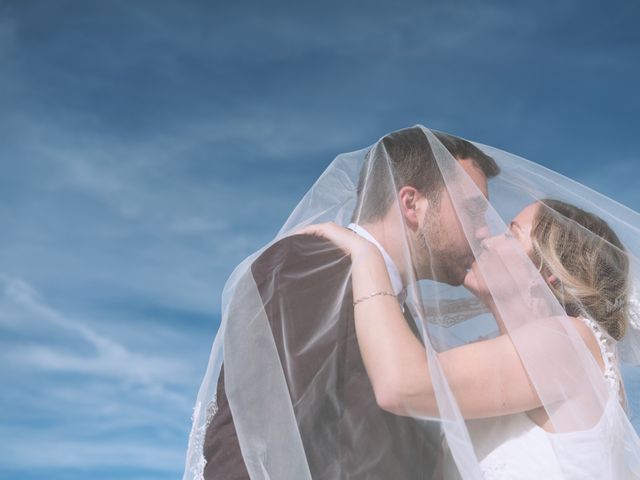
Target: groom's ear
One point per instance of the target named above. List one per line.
(410, 201)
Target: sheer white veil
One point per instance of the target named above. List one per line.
(272, 412)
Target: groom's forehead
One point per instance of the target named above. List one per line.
(477, 176)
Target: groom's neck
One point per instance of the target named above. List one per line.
(392, 239)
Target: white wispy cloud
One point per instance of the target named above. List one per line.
(87, 383)
(107, 357)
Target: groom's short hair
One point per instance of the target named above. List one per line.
(405, 157)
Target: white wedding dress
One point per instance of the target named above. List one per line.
(514, 447)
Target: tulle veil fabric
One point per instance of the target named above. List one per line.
(272, 416)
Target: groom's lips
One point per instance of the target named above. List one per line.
(469, 263)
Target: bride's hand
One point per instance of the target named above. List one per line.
(347, 240)
(507, 268)
(474, 282)
(492, 259)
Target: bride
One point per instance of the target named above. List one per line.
(511, 432)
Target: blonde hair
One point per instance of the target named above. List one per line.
(588, 260)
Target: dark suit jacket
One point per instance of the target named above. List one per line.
(344, 433)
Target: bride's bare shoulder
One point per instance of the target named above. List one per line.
(588, 336)
(564, 325)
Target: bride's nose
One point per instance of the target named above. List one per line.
(489, 243)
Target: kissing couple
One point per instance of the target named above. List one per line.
(432, 309)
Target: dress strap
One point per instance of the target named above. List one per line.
(608, 351)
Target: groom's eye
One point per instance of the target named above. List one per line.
(476, 207)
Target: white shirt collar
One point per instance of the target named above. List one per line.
(394, 274)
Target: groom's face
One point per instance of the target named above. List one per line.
(442, 243)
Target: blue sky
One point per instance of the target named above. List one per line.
(148, 147)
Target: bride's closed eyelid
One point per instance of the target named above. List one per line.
(508, 232)
(515, 227)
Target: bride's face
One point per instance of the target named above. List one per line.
(518, 229)
(521, 225)
(502, 250)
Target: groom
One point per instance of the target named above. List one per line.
(345, 434)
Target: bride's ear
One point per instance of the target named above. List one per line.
(410, 200)
(552, 279)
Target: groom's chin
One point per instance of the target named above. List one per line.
(454, 277)
(458, 276)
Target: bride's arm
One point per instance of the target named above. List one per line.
(487, 378)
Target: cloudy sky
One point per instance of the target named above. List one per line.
(147, 147)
